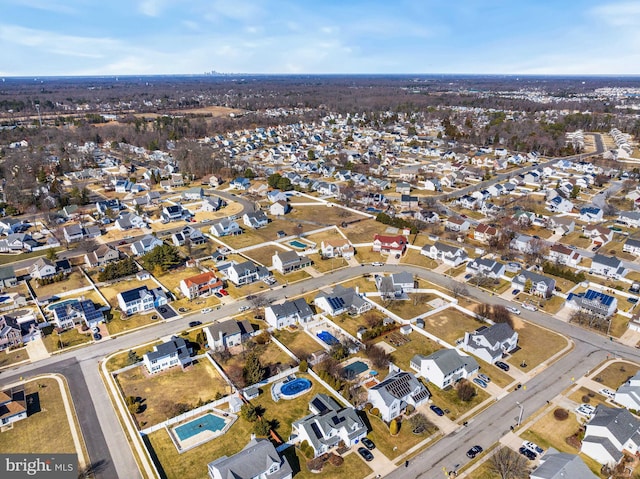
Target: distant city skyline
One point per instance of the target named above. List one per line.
(118, 37)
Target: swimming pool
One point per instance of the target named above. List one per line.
(51, 307)
(295, 387)
(328, 338)
(355, 368)
(208, 422)
(298, 244)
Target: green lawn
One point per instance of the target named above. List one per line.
(68, 338)
(450, 324)
(194, 386)
(418, 344)
(45, 431)
(385, 442)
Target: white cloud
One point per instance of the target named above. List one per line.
(618, 14)
(152, 8)
(47, 5)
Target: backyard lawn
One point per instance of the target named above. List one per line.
(298, 342)
(163, 391)
(111, 291)
(74, 281)
(352, 323)
(171, 279)
(270, 356)
(363, 231)
(46, 429)
(450, 324)
(536, 344)
(263, 255)
(416, 305)
(417, 344)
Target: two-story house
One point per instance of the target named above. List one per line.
(225, 227)
(204, 283)
(336, 248)
(289, 313)
(457, 224)
(486, 267)
(167, 355)
(141, 299)
(593, 302)
(145, 245)
(246, 272)
(398, 390)
(534, 283)
(103, 254)
(390, 244)
(341, 300)
(609, 433)
(444, 367)
(608, 266)
(562, 254)
(288, 261)
(450, 255)
(255, 220)
(228, 333)
(257, 460)
(492, 343)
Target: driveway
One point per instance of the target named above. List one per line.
(166, 311)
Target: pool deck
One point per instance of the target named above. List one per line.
(183, 445)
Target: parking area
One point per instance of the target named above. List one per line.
(166, 312)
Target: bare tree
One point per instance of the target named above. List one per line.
(508, 464)
(458, 289)
(538, 250)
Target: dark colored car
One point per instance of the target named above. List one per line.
(501, 365)
(368, 443)
(193, 324)
(436, 410)
(97, 336)
(365, 453)
(474, 451)
(527, 453)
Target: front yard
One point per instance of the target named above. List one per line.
(448, 399)
(536, 345)
(65, 339)
(169, 393)
(615, 374)
(7, 358)
(392, 446)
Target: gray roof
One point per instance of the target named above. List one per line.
(632, 215)
(297, 307)
(610, 261)
(256, 458)
(534, 277)
(400, 385)
(402, 277)
(496, 333)
(605, 443)
(620, 422)
(559, 465)
(449, 360)
(449, 249)
(175, 345)
(635, 243)
(291, 257)
(7, 272)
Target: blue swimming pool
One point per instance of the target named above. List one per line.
(61, 303)
(298, 244)
(295, 387)
(328, 338)
(208, 422)
(355, 368)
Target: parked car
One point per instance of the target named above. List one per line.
(474, 451)
(480, 382)
(243, 308)
(365, 453)
(368, 443)
(529, 307)
(97, 336)
(207, 310)
(515, 291)
(484, 377)
(533, 447)
(224, 292)
(607, 392)
(468, 276)
(218, 294)
(377, 263)
(586, 410)
(436, 410)
(501, 365)
(527, 453)
(95, 329)
(193, 324)
(513, 310)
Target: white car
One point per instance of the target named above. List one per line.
(529, 307)
(533, 447)
(608, 393)
(513, 310)
(207, 310)
(586, 410)
(243, 308)
(377, 264)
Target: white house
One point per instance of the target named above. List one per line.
(562, 254)
(608, 266)
(336, 248)
(610, 432)
(141, 299)
(341, 300)
(457, 224)
(540, 285)
(167, 355)
(492, 343)
(444, 367)
(145, 245)
(246, 272)
(226, 334)
(486, 267)
(73, 233)
(225, 227)
(632, 246)
(328, 425)
(450, 255)
(42, 268)
(289, 313)
(255, 220)
(203, 283)
(258, 459)
(628, 395)
(67, 314)
(399, 390)
(591, 214)
(629, 218)
(599, 235)
(279, 208)
(593, 302)
(288, 261)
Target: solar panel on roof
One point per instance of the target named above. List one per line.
(316, 430)
(319, 405)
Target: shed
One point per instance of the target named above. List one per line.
(406, 329)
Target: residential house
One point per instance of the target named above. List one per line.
(341, 300)
(562, 254)
(72, 233)
(204, 283)
(10, 332)
(229, 333)
(328, 425)
(451, 255)
(225, 227)
(522, 243)
(103, 254)
(593, 302)
(486, 267)
(195, 193)
(255, 220)
(444, 367)
(457, 224)
(42, 268)
(212, 203)
(240, 184)
(485, 233)
(259, 189)
(277, 195)
(628, 394)
(558, 204)
(390, 244)
(288, 261)
(108, 205)
(492, 343)
(403, 188)
(289, 313)
(279, 208)
(167, 355)
(257, 460)
(609, 433)
(563, 225)
(68, 314)
(408, 201)
(608, 266)
(540, 285)
(8, 277)
(13, 405)
(629, 218)
(246, 272)
(599, 234)
(397, 285)
(141, 299)
(336, 248)
(146, 244)
(560, 465)
(632, 246)
(591, 214)
(399, 390)
(174, 213)
(10, 225)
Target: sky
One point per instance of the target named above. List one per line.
(135, 37)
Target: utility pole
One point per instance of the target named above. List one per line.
(521, 412)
